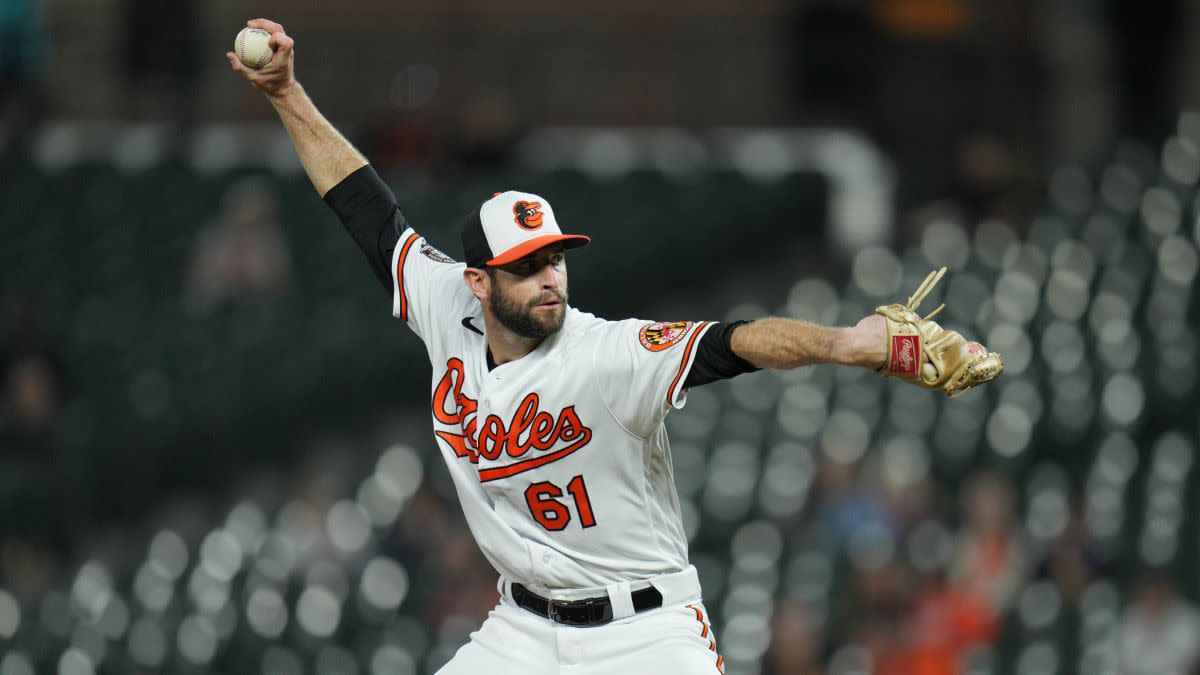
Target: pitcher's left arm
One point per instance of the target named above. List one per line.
(896, 341)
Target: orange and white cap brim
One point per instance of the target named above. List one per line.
(512, 225)
(530, 245)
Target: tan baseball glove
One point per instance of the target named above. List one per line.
(923, 353)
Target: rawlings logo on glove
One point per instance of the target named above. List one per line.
(923, 353)
(904, 354)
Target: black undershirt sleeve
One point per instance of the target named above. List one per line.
(715, 359)
(368, 210)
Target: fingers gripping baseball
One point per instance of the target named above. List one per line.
(922, 352)
(276, 76)
(281, 43)
(265, 24)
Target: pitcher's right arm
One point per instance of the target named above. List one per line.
(326, 154)
(424, 283)
(361, 200)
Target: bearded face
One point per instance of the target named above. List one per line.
(526, 318)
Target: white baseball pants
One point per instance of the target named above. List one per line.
(675, 639)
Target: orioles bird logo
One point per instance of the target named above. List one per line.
(528, 214)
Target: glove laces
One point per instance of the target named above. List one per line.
(914, 300)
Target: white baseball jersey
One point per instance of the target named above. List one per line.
(560, 458)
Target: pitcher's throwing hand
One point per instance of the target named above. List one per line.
(276, 76)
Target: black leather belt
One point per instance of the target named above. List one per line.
(586, 612)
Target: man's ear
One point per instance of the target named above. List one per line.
(477, 282)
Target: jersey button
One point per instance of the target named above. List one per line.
(546, 558)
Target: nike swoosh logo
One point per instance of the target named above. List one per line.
(466, 322)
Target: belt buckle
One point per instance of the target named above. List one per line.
(589, 606)
(552, 611)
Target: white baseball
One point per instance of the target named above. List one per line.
(252, 48)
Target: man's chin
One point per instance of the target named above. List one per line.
(549, 320)
(535, 324)
(553, 320)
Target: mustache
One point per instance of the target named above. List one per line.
(561, 297)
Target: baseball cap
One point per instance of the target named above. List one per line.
(511, 225)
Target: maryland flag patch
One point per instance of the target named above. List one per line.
(434, 254)
(662, 335)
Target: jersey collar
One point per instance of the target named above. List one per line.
(475, 324)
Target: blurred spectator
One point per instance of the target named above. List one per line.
(404, 139)
(942, 624)
(32, 389)
(243, 256)
(32, 384)
(27, 569)
(877, 609)
(797, 640)
(1074, 558)
(908, 494)
(991, 180)
(990, 560)
(1159, 633)
(31, 403)
(406, 144)
(22, 44)
(463, 585)
(454, 578)
(28, 482)
(846, 502)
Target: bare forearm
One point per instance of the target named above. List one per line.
(325, 153)
(784, 344)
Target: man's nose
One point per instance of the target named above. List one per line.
(548, 278)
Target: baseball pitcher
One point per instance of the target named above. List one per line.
(550, 419)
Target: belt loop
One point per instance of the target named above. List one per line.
(622, 600)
